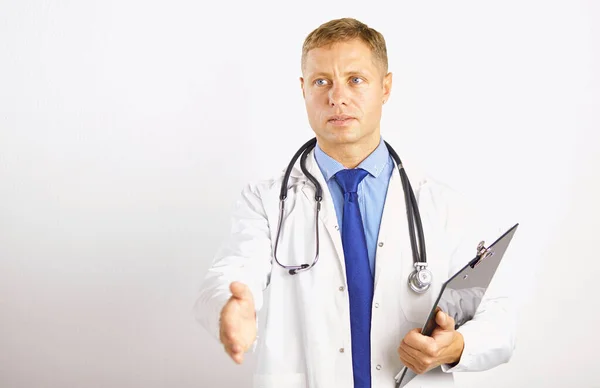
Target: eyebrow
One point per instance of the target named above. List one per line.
(347, 73)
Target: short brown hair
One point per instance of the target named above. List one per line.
(343, 30)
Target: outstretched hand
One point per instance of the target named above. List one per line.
(238, 322)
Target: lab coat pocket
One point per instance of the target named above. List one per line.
(416, 308)
(286, 380)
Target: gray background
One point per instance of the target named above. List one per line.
(127, 129)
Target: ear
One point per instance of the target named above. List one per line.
(387, 87)
(302, 86)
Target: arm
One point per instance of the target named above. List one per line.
(489, 336)
(245, 257)
(488, 339)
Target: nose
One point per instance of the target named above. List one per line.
(338, 95)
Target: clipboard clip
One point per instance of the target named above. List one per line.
(482, 254)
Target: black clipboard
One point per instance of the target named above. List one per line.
(462, 293)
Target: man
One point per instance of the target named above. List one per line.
(318, 332)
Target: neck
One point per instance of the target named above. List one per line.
(350, 155)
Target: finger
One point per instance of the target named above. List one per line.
(235, 326)
(421, 360)
(410, 350)
(228, 333)
(227, 348)
(406, 359)
(229, 336)
(238, 357)
(234, 350)
(233, 342)
(410, 361)
(444, 321)
(421, 342)
(230, 348)
(240, 291)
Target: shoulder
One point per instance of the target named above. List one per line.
(455, 210)
(458, 210)
(438, 192)
(267, 189)
(264, 185)
(271, 184)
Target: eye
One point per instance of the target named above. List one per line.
(320, 82)
(356, 80)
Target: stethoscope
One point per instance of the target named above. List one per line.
(420, 279)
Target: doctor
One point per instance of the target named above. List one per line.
(351, 320)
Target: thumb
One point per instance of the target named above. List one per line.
(444, 321)
(240, 290)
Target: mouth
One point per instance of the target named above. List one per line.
(340, 120)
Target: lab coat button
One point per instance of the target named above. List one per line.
(341, 350)
(341, 288)
(376, 305)
(337, 227)
(378, 367)
(380, 243)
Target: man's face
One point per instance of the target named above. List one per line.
(344, 90)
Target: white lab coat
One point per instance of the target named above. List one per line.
(306, 337)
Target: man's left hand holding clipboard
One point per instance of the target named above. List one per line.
(422, 353)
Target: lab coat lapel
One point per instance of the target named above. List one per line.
(327, 214)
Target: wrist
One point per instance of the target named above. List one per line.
(455, 349)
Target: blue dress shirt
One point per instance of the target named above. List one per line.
(371, 191)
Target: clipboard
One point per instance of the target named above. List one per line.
(462, 293)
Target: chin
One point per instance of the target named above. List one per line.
(347, 134)
(341, 137)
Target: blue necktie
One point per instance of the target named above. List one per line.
(358, 276)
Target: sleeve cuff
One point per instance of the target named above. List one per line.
(466, 357)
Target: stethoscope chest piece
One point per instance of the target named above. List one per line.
(420, 279)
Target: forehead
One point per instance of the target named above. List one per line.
(354, 53)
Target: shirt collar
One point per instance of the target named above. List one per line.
(373, 164)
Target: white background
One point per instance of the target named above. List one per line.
(128, 128)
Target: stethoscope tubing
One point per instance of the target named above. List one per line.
(412, 210)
